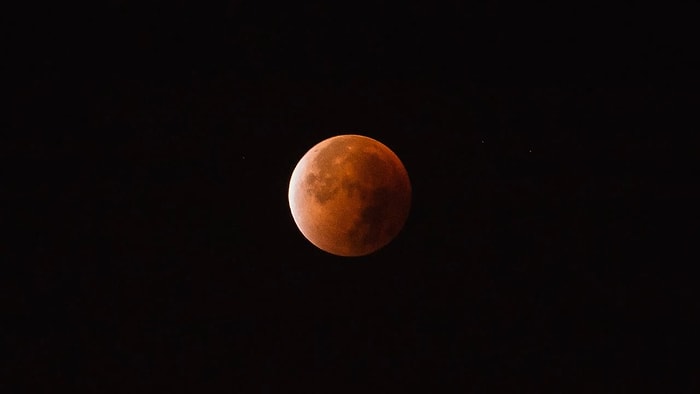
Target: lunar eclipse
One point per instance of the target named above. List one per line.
(350, 195)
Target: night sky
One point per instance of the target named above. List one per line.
(152, 249)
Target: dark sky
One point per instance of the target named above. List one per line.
(153, 250)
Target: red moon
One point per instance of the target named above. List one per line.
(350, 195)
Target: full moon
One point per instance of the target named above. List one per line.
(350, 195)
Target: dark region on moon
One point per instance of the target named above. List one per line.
(369, 227)
(324, 191)
(324, 185)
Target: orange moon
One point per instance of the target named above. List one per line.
(350, 195)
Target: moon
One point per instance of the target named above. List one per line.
(350, 195)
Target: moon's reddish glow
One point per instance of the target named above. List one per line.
(350, 195)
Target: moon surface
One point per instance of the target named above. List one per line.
(350, 195)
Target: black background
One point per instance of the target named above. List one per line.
(153, 250)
